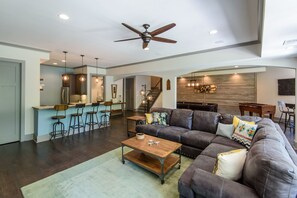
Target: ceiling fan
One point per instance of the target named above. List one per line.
(147, 36)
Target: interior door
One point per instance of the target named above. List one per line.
(129, 93)
(10, 89)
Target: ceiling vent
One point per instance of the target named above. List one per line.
(290, 42)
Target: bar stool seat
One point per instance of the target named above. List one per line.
(77, 119)
(290, 122)
(90, 116)
(59, 108)
(105, 117)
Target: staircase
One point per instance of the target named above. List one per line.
(155, 92)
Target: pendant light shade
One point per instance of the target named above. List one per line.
(65, 76)
(82, 77)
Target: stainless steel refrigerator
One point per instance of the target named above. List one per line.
(65, 95)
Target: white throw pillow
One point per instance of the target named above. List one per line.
(230, 164)
(225, 130)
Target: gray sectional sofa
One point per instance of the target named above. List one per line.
(270, 168)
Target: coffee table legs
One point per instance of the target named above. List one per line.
(123, 160)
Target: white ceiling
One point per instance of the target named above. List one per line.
(94, 25)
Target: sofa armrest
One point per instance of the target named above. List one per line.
(206, 184)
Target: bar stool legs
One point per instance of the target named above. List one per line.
(55, 131)
(105, 121)
(80, 124)
(91, 121)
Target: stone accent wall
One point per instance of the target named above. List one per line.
(231, 90)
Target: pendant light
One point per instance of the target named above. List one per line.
(65, 77)
(97, 78)
(82, 77)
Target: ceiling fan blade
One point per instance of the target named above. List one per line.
(144, 45)
(165, 40)
(132, 29)
(128, 39)
(162, 29)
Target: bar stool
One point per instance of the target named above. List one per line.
(106, 113)
(77, 117)
(290, 122)
(91, 115)
(60, 114)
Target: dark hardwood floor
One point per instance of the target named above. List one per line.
(27, 162)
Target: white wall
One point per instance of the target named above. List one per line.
(30, 80)
(52, 79)
(120, 86)
(169, 96)
(159, 101)
(267, 86)
(139, 81)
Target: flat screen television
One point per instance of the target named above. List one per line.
(286, 87)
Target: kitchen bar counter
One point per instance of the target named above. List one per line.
(43, 124)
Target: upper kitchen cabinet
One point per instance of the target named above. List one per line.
(80, 86)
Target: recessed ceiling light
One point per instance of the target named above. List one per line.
(213, 32)
(55, 63)
(63, 61)
(236, 66)
(64, 16)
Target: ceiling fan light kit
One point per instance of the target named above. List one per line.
(147, 36)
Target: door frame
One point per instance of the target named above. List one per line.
(22, 64)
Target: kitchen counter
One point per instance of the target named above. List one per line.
(72, 104)
(43, 124)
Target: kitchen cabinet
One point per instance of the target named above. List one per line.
(80, 87)
(70, 83)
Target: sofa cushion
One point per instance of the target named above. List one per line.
(184, 183)
(198, 139)
(228, 118)
(149, 129)
(227, 142)
(214, 149)
(160, 109)
(267, 129)
(205, 184)
(181, 118)
(205, 121)
(172, 133)
(270, 170)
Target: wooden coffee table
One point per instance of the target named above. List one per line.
(157, 158)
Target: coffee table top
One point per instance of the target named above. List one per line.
(162, 150)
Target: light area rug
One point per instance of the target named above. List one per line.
(106, 176)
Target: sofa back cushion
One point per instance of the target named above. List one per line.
(160, 109)
(205, 121)
(181, 118)
(228, 118)
(270, 170)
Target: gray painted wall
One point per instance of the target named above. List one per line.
(52, 79)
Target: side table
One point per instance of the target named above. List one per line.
(134, 120)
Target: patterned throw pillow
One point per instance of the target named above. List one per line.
(230, 164)
(236, 122)
(156, 117)
(163, 118)
(160, 118)
(244, 133)
(148, 118)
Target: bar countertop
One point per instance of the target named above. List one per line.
(45, 107)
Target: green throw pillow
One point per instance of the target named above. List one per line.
(160, 118)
